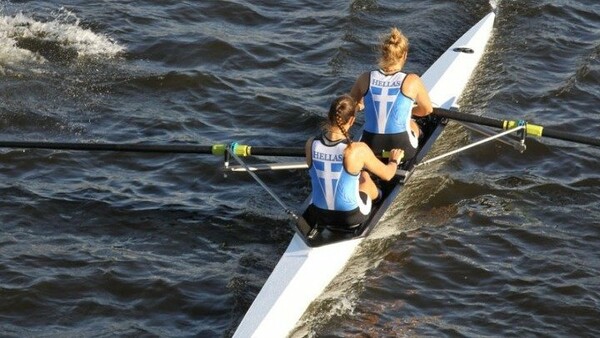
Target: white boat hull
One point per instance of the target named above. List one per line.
(299, 277)
(449, 75)
(304, 272)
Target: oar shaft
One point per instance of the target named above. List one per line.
(532, 130)
(455, 115)
(280, 151)
(217, 149)
(561, 135)
(144, 148)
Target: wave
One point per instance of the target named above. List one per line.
(25, 40)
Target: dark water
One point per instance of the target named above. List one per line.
(490, 242)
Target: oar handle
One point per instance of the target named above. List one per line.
(277, 151)
(386, 154)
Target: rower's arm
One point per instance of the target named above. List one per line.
(359, 89)
(308, 150)
(373, 164)
(423, 102)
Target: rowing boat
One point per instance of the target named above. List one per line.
(316, 254)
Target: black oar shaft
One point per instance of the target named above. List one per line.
(561, 135)
(505, 124)
(280, 151)
(144, 148)
(455, 115)
(217, 149)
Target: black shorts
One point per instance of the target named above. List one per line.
(381, 142)
(336, 218)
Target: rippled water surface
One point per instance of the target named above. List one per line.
(490, 242)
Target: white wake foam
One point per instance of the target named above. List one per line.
(63, 32)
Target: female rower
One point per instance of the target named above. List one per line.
(388, 96)
(342, 192)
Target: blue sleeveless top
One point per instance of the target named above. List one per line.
(387, 109)
(333, 188)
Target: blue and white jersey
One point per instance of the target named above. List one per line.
(333, 188)
(387, 109)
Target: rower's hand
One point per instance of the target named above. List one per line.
(396, 155)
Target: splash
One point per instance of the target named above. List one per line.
(25, 40)
(494, 4)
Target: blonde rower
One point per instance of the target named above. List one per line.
(388, 96)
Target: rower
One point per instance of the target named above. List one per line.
(342, 192)
(388, 96)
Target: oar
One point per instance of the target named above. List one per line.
(530, 129)
(216, 149)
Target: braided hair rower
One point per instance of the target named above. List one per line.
(342, 189)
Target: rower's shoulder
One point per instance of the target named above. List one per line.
(308, 145)
(360, 148)
(412, 77)
(412, 82)
(364, 76)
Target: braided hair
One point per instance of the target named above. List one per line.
(342, 109)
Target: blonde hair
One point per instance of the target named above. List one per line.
(392, 48)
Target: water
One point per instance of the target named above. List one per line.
(490, 242)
